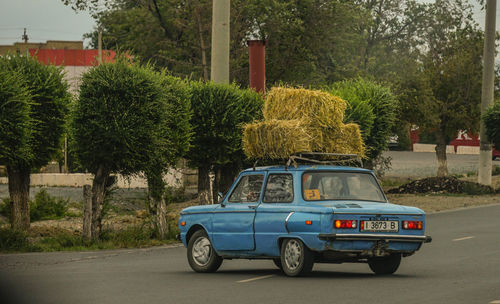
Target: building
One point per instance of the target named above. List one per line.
(69, 54)
(23, 48)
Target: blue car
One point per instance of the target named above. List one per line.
(301, 215)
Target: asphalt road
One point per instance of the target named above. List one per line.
(461, 265)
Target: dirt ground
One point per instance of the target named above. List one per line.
(434, 203)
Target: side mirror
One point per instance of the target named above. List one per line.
(220, 198)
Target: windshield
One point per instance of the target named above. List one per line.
(319, 186)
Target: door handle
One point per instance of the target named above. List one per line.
(252, 207)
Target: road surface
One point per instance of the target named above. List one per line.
(461, 265)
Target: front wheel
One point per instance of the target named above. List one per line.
(201, 255)
(385, 265)
(296, 258)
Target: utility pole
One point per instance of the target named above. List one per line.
(25, 36)
(220, 41)
(99, 44)
(485, 161)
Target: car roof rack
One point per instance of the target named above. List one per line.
(324, 159)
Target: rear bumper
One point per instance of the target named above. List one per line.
(375, 237)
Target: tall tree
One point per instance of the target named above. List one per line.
(172, 143)
(33, 116)
(219, 111)
(117, 127)
(452, 65)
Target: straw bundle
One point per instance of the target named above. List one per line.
(345, 139)
(299, 120)
(275, 139)
(313, 106)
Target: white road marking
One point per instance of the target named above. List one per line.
(257, 278)
(464, 238)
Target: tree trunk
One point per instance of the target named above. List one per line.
(157, 206)
(228, 175)
(204, 185)
(158, 216)
(87, 213)
(202, 46)
(441, 154)
(19, 190)
(216, 186)
(98, 195)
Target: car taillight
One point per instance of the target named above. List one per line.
(412, 225)
(346, 224)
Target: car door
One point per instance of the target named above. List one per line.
(270, 220)
(232, 226)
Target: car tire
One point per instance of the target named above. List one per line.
(277, 262)
(385, 265)
(201, 255)
(296, 258)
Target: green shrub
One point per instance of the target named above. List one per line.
(476, 189)
(495, 170)
(15, 240)
(373, 107)
(136, 236)
(47, 207)
(5, 207)
(175, 194)
(63, 241)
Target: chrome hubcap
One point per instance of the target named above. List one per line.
(293, 252)
(202, 251)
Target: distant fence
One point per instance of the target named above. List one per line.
(450, 149)
(174, 178)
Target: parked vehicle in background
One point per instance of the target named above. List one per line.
(301, 215)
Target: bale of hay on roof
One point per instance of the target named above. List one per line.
(275, 139)
(314, 107)
(344, 139)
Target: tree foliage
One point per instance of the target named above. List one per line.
(15, 123)
(49, 97)
(492, 122)
(116, 116)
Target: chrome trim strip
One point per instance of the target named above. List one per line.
(286, 221)
(372, 237)
(339, 211)
(224, 211)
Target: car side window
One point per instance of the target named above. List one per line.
(279, 189)
(248, 189)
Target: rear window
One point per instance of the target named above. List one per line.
(319, 186)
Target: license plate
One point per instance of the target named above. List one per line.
(384, 226)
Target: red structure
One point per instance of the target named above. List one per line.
(462, 139)
(71, 57)
(257, 58)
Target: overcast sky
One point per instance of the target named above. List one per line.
(43, 19)
(52, 20)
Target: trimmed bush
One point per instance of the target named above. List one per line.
(47, 207)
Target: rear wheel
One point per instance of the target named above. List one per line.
(201, 255)
(296, 258)
(385, 265)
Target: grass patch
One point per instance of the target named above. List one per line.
(43, 207)
(63, 240)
